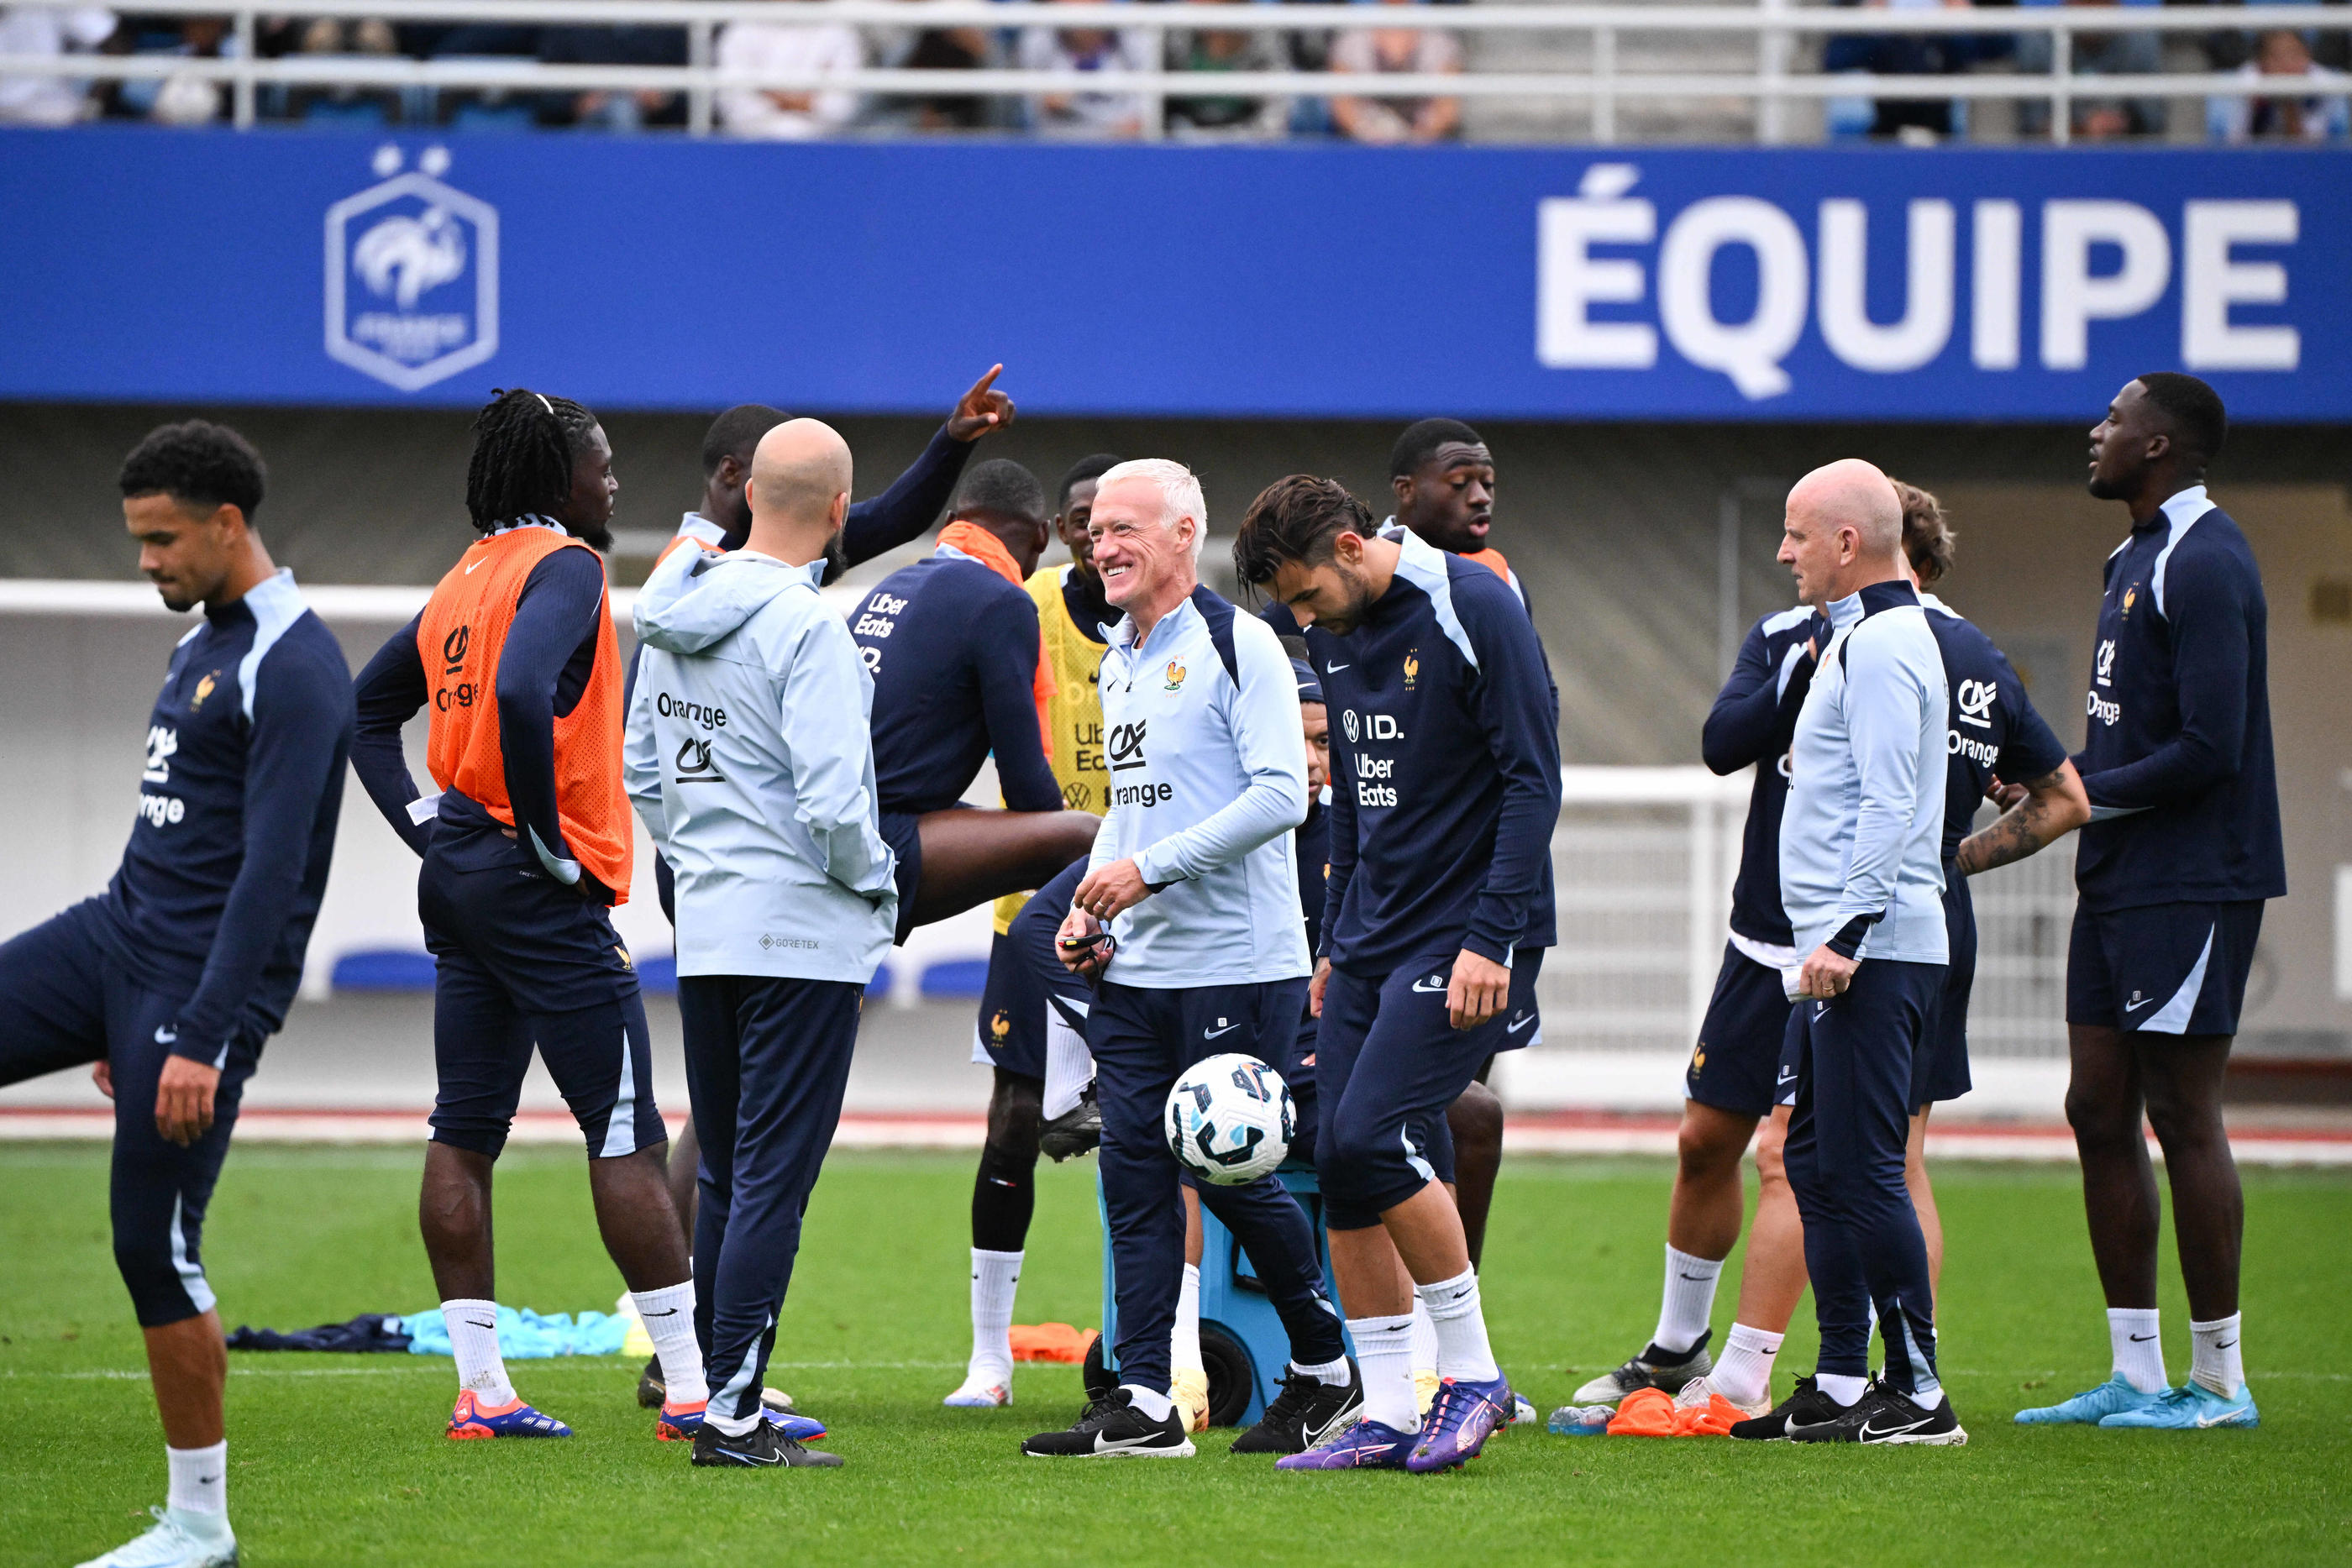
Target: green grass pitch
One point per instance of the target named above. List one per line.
(340, 1461)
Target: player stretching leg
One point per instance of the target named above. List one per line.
(1032, 1010)
(525, 849)
(2183, 849)
(749, 758)
(1072, 1124)
(1438, 908)
(1192, 874)
(170, 979)
(720, 522)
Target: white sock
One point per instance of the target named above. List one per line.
(669, 1315)
(474, 1341)
(1931, 1399)
(1384, 1356)
(199, 1483)
(1424, 1338)
(1744, 1375)
(1689, 1300)
(1842, 1388)
(2215, 1362)
(1152, 1401)
(1462, 1352)
(2138, 1347)
(995, 1278)
(1069, 1066)
(1334, 1373)
(1184, 1344)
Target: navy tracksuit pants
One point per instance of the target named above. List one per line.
(766, 1062)
(1845, 1159)
(1142, 1040)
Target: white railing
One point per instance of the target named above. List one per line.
(1643, 864)
(1776, 26)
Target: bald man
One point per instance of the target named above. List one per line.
(749, 756)
(1861, 879)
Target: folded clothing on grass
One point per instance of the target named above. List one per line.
(523, 1334)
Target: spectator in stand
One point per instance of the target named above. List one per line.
(2283, 56)
(1904, 54)
(612, 45)
(935, 49)
(2096, 54)
(367, 38)
(788, 114)
(1417, 51)
(1226, 49)
(49, 32)
(182, 98)
(1101, 116)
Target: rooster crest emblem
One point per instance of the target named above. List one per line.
(1175, 675)
(1412, 667)
(412, 275)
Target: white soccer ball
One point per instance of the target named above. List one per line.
(1229, 1119)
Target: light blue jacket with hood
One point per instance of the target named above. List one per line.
(750, 757)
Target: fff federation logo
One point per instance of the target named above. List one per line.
(412, 276)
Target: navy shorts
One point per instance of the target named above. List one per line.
(1012, 1031)
(902, 831)
(1388, 1064)
(2162, 969)
(1738, 1057)
(65, 1001)
(1940, 1070)
(522, 961)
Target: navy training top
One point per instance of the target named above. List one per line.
(1753, 723)
(1994, 730)
(2177, 758)
(953, 648)
(1445, 770)
(239, 798)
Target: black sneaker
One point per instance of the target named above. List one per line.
(1076, 1131)
(1113, 1428)
(1654, 1368)
(1807, 1404)
(1884, 1415)
(763, 1446)
(1306, 1411)
(652, 1390)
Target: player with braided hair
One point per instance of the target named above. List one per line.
(526, 849)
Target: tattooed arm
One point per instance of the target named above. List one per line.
(2053, 805)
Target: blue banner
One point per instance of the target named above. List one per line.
(1878, 283)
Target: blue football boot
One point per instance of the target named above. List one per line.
(2091, 1407)
(1365, 1446)
(1461, 1420)
(2189, 1407)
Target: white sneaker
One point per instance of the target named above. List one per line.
(983, 1388)
(169, 1545)
(776, 1399)
(1699, 1390)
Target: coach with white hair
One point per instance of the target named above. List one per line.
(1188, 913)
(1862, 878)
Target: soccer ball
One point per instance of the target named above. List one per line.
(1229, 1120)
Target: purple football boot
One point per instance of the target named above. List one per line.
(1364, 1446)
(1460, 1420)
